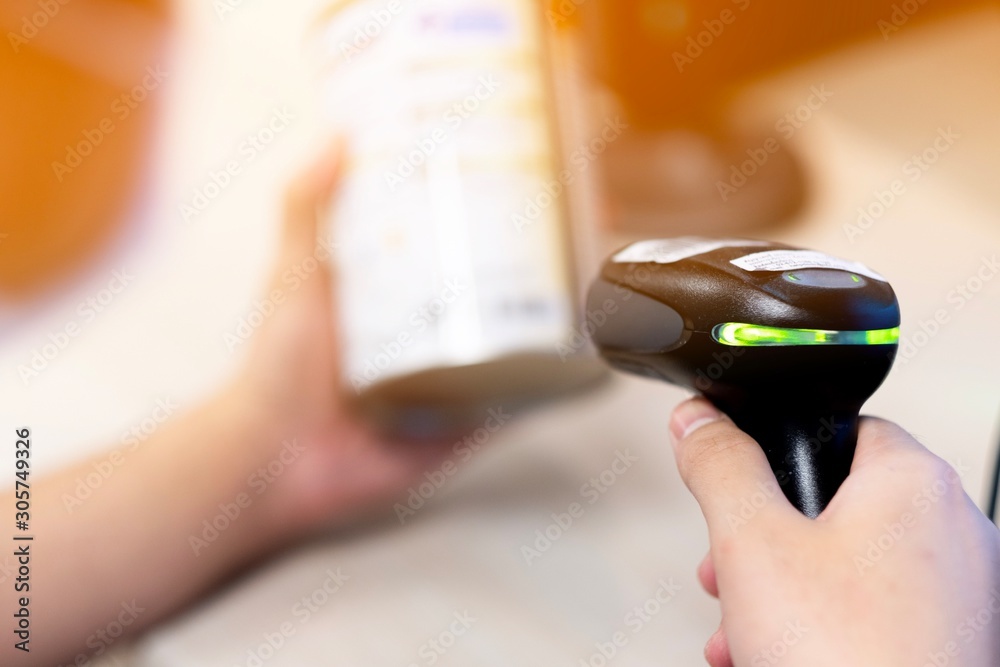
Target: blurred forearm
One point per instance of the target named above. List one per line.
(136, 548)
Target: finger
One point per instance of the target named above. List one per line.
(706, 575)
(722, 466)
(878, 438)
(306, 197)
(717, 650)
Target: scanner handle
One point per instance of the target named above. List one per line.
(810, 449)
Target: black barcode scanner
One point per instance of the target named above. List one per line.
(789, 343)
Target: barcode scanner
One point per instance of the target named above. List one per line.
(789, 343)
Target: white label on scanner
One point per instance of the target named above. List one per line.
(791, 260)
(668, 251)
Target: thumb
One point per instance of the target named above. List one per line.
(723, 467)
(305, 198)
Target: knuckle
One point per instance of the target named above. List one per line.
(884, 433)
(932, 472)
(931, 468)
(884, 430)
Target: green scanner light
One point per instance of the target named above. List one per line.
(755, 335)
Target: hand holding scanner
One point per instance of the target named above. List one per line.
(789, 343)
